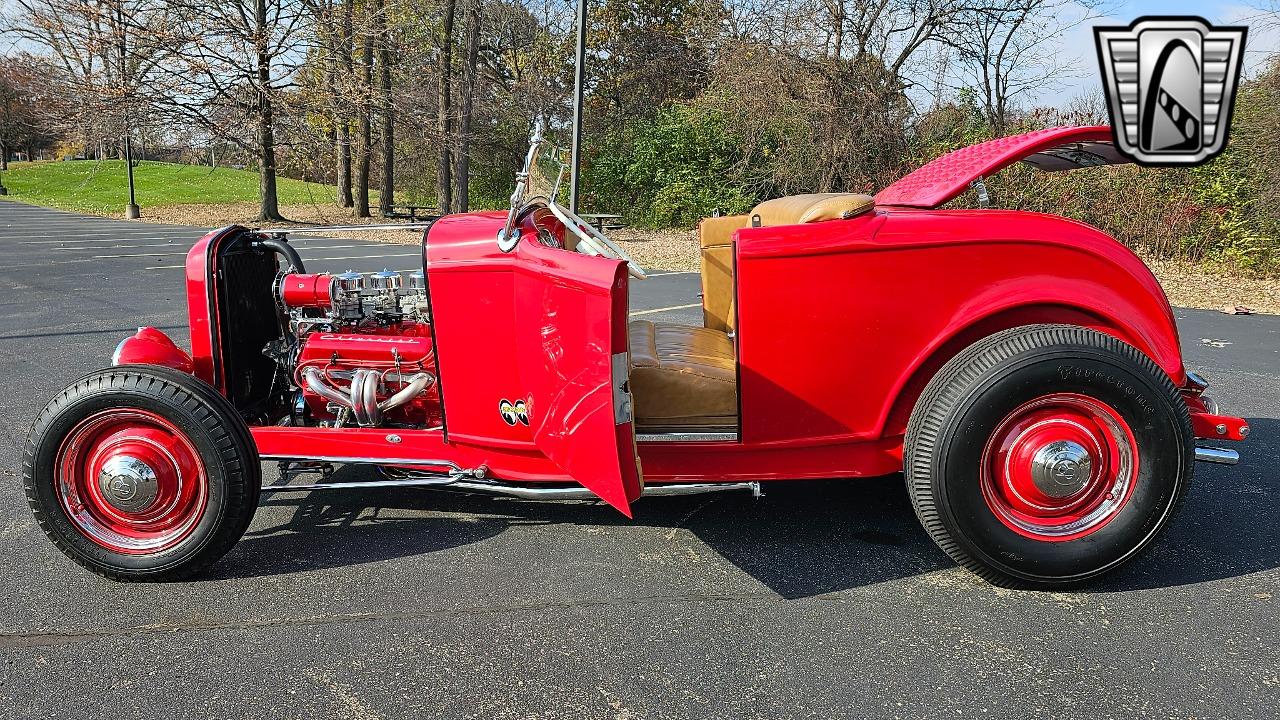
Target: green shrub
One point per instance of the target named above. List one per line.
(670, 171)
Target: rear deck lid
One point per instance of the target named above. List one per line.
(1051, 150)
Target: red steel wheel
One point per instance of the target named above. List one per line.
(131, 481)
(1059, 467)
(1047, 455)
(142, 473)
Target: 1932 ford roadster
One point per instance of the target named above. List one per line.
(1035, 397)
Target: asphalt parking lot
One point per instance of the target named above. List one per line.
(817, 600)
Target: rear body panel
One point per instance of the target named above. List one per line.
(842, 323)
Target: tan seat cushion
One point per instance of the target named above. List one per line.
(682, 377)
(815, 207)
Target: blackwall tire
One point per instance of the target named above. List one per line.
(1046, 456)
(141, 473)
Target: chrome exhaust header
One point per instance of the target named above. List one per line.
(361, 398)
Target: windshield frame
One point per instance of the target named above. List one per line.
(509, 236)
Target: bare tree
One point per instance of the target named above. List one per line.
(386, 109)
(29, 108)
(1009, 49)
(364, 150)
(444, 120)
(229, 66)
(347, 54)
(462, 159)
(106, 51)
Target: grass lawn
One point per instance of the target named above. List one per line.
(100, 187)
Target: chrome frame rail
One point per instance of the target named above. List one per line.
(687, 437)
(472, 480)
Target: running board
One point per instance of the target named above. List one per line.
(400, 478)
(1219, 456)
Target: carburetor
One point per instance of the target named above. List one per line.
(352, 298)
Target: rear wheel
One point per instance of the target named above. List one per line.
(141, 473)
(1047, 455)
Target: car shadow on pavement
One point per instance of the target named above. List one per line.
(1227, 526)
(802, 538)
(336, 528)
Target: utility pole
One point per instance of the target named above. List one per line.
(578, 81)
(131, 210)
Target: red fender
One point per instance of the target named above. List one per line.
(149, 346)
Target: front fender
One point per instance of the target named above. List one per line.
(149, 346)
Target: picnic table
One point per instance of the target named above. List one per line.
(414, 212)
(604, 221)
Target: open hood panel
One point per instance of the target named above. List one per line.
(1055, 149)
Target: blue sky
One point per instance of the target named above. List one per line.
(1078, 45)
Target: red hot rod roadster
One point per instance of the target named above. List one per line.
(1036, 401)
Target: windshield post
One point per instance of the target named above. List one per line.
(509, 237)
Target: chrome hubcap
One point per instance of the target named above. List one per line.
(1061, 468)
(127, 483)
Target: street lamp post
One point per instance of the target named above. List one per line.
(578, 79)
(131, 210)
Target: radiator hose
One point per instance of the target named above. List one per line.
(282, 247)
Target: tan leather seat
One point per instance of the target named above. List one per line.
(814, 207)
(682, 378)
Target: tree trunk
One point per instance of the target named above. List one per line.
(444, 125)
(386, 193)
(342, 115)
(462, 163)
(366, 127)
(4, 156)
(270, 208)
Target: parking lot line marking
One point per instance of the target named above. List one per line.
(188, 238)
(107, 238)
(184, 249)
(316, 259)
(53, 232)
(665, 309)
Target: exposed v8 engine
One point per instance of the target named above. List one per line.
(361, 352)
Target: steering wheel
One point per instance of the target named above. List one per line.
(593, 242)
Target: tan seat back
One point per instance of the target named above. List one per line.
(715, 235)
(814, 207)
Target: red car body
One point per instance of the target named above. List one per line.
(840, 325)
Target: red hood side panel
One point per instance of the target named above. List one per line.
(936, 182)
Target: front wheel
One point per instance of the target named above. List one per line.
(1046, 456)
(141, 473)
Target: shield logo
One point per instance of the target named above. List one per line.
(1170, 84)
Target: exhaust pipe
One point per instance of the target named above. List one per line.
(1218, 456)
